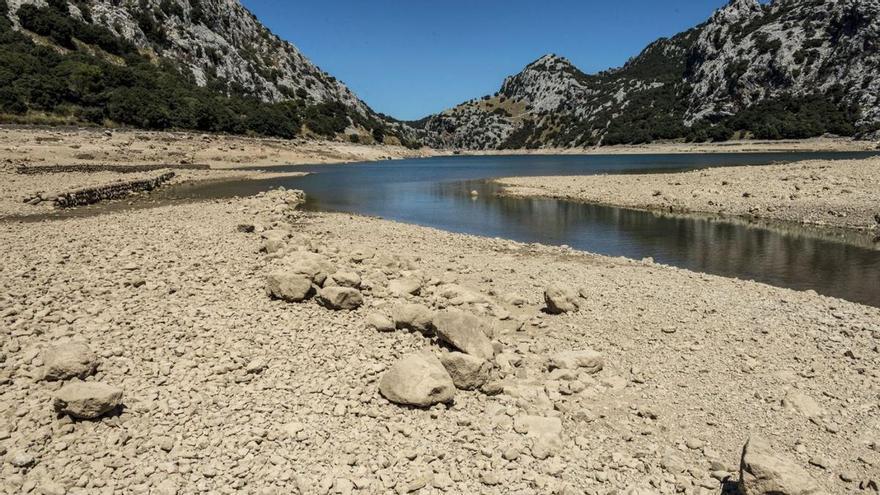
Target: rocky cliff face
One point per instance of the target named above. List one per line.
(216, 40)
(703, 83)
(748, 52)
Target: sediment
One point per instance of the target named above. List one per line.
(650, 379)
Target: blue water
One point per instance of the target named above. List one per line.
(436, 192)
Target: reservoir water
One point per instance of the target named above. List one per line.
(436, 192)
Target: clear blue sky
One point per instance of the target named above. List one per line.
(411, 58)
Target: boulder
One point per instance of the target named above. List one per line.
(290, 287)
(467, 372)
(405, 286)
(70, 360)
(87, 400)
(763, 472)
(379, 322)
(561, 299)
(340, 298)
(344, 279)
(416, 317)
(588, 359)
(463, 331)
(418, 379)
(314, 266)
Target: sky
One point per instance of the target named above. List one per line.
(412, 58)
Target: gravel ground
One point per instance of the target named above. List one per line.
(842, 193)
(228, 391)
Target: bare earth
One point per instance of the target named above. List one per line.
(226, 390)
(824, 193)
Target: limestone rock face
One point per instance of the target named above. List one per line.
(746, 53)
(290, 287)
(464, 331)
(418, 379)
(87, 400)
(561, 299)
(70, 360)
(340, 298)
(763, 472)
(467, 372)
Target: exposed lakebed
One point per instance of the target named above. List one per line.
(438, 192)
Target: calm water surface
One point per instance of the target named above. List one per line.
(436, 192)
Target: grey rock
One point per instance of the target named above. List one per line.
(69, 360)
(764, 472)
(465, 332)
(379, 322)
(561, 299)
(467, 372)
(586, 360)
(418, 379)
(416, 317)
(290, 287)
(87, 400)
(340, 298)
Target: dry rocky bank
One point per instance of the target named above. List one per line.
(825, 193)
(243, 346)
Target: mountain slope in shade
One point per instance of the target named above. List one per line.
(794, 68)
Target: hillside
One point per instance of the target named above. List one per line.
(790, 69)
(191, 64)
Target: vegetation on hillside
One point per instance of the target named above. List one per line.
(82, 72)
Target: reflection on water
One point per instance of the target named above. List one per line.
(778, 254)
(437, 193)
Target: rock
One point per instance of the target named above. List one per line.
(802, 404)
(416, 317)
(290, 287)
(418, 379)
(763, 472)
(314, 266)
(561, 299)
(340, 298)
(467, 372)
(345, 279)
(405, 286)
(591, 361)
(379, 322)
(546, 432)
(87, 400)
(463, 331)
(69, 360)
(21, 459)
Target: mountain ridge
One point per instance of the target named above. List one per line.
(750, 70)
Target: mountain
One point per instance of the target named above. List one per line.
(790, 69)
(211, 58)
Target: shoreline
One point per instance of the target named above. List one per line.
(183, 325)
(838, 195)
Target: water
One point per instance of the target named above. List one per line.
(436, 192)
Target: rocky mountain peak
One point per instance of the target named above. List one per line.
(738, 11)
